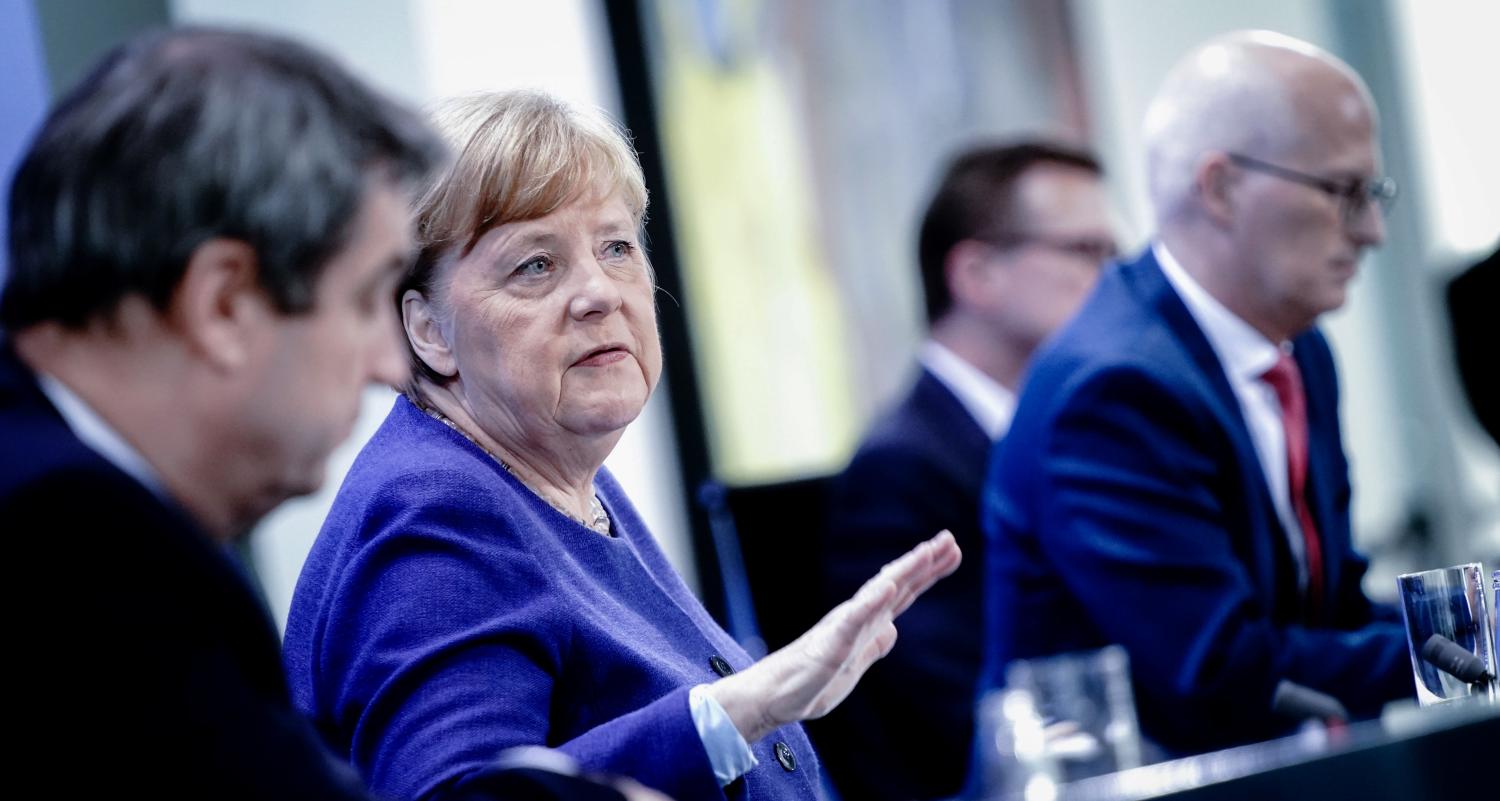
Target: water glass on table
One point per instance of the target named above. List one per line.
(1450, 634)
(1058, 719)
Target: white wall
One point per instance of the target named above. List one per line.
(422, 52)
(1448, 67)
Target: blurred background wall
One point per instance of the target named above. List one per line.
(790, 147)
(23, 97)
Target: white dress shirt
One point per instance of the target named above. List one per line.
(1246, 355)
(990, 404)
(91, 429)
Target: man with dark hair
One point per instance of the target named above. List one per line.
(1010, 244)
(205, 238)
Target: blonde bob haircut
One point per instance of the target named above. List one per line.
(519, 155)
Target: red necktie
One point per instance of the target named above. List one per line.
(1286, 379)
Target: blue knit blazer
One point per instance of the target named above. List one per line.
(446, 613)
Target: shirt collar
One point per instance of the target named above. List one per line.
(990, 404)
(1245, 353)
(91, 429)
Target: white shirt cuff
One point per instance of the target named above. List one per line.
(728, 753)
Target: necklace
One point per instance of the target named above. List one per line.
(599, 518)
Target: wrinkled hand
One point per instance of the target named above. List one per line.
(809, 677)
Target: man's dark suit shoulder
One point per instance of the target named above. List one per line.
(929, 430)
(917, 471)
(918, 462)
(148, 661)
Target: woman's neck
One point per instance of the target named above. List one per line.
(559, 468)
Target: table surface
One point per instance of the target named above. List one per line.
(1441, 752)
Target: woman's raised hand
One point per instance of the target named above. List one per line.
(809, 677)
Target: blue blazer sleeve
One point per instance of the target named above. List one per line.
(1135, 523)
(448, 648)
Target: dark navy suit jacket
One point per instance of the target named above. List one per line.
(905, 730)
(145, 660)
(1127, 505)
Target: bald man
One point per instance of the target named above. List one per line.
(1174, 478)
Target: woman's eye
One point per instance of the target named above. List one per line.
(618, 250)
(536, 266)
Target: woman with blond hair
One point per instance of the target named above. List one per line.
(482, 581)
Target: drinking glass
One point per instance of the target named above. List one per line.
(1058, 719)
(1450, 602)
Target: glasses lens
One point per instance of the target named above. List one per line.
(1384, 191)
(1104, 252)
(1096, 251)
(1381, 192)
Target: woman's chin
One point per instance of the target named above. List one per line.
(601, 416)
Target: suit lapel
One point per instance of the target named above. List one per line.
(1272, 553)
(1322, 454)
(933, 400)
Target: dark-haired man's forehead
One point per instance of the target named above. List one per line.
(1036, 193)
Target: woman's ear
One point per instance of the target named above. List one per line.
(426, 336)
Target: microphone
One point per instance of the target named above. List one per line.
(1300, 703)
(1455, 660)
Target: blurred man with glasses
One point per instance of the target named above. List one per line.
(1174, 480)
(1012, 241)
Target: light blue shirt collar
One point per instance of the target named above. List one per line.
(94, 432)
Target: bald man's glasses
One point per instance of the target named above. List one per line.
(1353, 194)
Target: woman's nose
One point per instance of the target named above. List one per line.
(597, 292)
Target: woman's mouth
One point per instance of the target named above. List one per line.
(600, 357)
